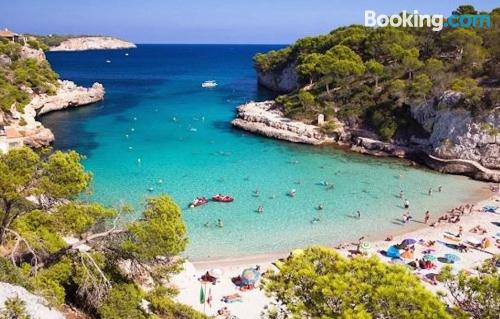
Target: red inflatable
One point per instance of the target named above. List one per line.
(222, 198)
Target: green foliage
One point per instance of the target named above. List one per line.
(306, 99)
(123, 302)
(406, 66)
(36, 44)
(11, 274)
(77, 218)
(162, 232)
(320, 283)
(272, 60)
(475, 296)
(14, 308)
(421, 86)
(19, 75)
(35, 75)
(468, 87)
(165, 308)
(24, 173)
(329, 127)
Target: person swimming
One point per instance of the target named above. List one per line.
(220, 223)
(401, 194)
(260, 210)
(430, 191)
(320, 206)
(358, 214)
(407, 203)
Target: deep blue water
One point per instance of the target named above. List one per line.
(157, 128)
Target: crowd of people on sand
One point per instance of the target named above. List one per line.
(247, 281)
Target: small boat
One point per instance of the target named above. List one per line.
(222, 198)
(292, 193)
(108, 61)
(198, 201)
(126, 54)
(209, 84)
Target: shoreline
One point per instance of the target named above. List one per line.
(255, 301)
(483, 195)
(265, 118)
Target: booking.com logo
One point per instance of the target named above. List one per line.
(436, 21)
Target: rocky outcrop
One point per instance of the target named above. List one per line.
(457, 144)
(456, 134)
(36, 307)
(68, 95)
(29, 53)
(284, 80)
(92, 43)
(265, 119)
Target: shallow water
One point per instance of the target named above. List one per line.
(156, 111)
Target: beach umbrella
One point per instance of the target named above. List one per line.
(365, 246)
(249, 276)
(429, 257)
(451, 258)
(408, 242)
(393, 252)
(216, 272)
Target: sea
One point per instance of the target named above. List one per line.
(159, 132)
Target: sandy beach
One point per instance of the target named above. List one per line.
(254, 302)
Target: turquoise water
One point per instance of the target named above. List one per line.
(156, 111)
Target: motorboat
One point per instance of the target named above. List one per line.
(209, 84)
(222, 198)
(198, 201)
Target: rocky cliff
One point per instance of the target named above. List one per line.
(284, 80)
(456, 134)
(68, 95)
(266, 119)
(92, 43)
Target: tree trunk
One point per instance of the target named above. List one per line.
(5, 221)
(328, 88)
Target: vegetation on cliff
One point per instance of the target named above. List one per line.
(21, 76)
(370, 76)
(75, 252)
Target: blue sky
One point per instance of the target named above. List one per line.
(206, 21)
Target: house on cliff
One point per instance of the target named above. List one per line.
(10, 138)
(9, 35)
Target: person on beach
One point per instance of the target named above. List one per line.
(440, 188)
(427, 217)
(220, 223)
(406, 217)
(430, 191)
(460, 232)
(407, 204)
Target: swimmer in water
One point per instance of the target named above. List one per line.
(220, 223)
(260, 210)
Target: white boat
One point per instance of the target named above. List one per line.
(108, 61)
(209, 84)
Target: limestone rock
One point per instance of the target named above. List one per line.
(29, 53)
(265, 119)
(284, 80)
(36, 307)
(92, 43)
